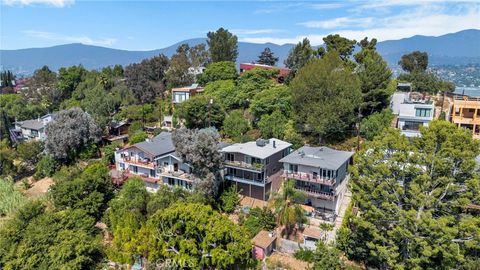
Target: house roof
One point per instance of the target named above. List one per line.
(36, 124)
(312, 232)
(319, 157)
(188, 88)
(259, 149)
(263, 239)
(160, 145)
(402, 105)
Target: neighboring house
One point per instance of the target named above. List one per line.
(283, 72)
(263, 244)
(466, 113)
(156, 162)
(167, 122)
(254, 167)
(118, 131)
(321, 173)
(411, 111)
(182, 94)
(30, 129)
(311, 235)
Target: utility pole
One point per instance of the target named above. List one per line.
(209, 108)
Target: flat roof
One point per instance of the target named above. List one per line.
(318, 157)
(271, 147)
(263, 239)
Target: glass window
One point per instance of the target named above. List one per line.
(421, 112)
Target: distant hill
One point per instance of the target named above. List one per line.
(456, 48)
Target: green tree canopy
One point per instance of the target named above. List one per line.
(235, 126)
(299, 55)
(411, 194)
(285, 206)
(195, 236)
(375, 124)
(273, 125)
(271, 99)
(224, 70)
(343, 46)
(267, 57)
(222, 45)
(325, 95)
(201, 111)
(414, 62)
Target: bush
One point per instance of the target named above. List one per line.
(47, 166)
(304, 255)
(259, 219)
(88, 152)
(137, 137)
(108, 153)
(229, 199)
(10, 198)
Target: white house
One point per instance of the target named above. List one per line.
(411, 111)
(30, 129)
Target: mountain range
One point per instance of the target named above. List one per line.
(455, 48)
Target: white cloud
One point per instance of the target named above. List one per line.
(341, 22)
(54, 3)
(326, 6)
(70, 38)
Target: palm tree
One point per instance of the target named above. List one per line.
(288, 212)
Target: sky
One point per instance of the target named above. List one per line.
(148, 25)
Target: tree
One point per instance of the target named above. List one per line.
(69, 131)
(273, 125)
(217, 71)
(90, 191)
(30, 152)
(198, 55)
(17, 108)
(7, 155)
(201, 150)
(125, 216)
(288, 211)
(427, 82)
(272, 99)
(222, 45)
(201, 111)
(195, 236)
(42, 89)
(292, 136)
(326, 257)
(375, 124)
(100, 104)
(147, 79)
(36, 238)
(178, 72)
(259, 219)
(230, 199)
(325, 96)
(5, 125)
(252, 82)
(46, 167)
(414, 62)
(69, 78)
(6, 81)
(412, 198)
(223, 91)
(267, 57)
(342, 46)
(137, 137)
(299, 55)
(375, 78)
(235, 126)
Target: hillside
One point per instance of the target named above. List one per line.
(455, 48)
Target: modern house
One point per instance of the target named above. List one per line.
(30, 129)
(254, 167)
(321, 173)
(182, 94)
(282, 74)
(466, 113)
(411, 111)
(156, 162)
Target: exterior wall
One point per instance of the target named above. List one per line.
(258, 253)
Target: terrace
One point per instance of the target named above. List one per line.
(244, 165)
(139, 162)
(310, 178)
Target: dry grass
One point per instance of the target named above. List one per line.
(39, 187)
(287, 261)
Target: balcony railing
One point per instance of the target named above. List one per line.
(241, 164)
(310, 178)
(139, 162)
(177, 174)
(244, 180)
(315, 193)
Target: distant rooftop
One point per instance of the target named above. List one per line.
(259, 149)
(318, 157)
(194, 86)
(36, 124)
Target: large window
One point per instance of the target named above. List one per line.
(411, 125)
(293, 168)
(420, 112)
(229, 157)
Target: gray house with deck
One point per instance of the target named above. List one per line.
(321, 173)
(254, 167)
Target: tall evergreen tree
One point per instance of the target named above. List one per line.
(267, 57)
(222, 45)
(299, 55)
(375, 77)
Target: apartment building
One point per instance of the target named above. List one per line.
(466, 113)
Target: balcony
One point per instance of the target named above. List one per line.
(309, 178)
(139, 162)
(177, 174)
(145, 177)
(244, 165)
(312, 192)
(234, 178)
(457, 119)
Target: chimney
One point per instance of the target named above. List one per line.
(274, 146)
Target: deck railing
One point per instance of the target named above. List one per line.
(310, 178)
(241, 164)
